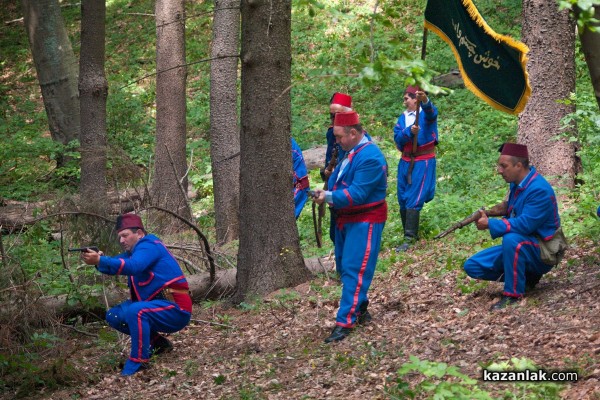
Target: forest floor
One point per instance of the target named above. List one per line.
(273, 349)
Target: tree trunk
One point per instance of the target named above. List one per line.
(590, 44)
(269, 251)
(550, 35)
(169, 187)
(93, 91)
(224, 128)
(55, 65)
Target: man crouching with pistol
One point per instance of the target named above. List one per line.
(160, 299)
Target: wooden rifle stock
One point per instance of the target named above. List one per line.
(496, 211)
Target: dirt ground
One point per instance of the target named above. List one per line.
(274, 349)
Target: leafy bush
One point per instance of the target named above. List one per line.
(443, 381)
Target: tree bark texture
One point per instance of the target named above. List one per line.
(55, 65)
(550, 35)
(590, 44)
(269, 255)
(93, 92)
(224, 128)
(169, 186)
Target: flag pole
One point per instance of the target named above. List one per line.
(424, 44)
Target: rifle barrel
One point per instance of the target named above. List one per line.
(82, 249)
(460, 224)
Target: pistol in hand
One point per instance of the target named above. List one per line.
(85, 249)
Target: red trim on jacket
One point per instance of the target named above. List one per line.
(147, 281)
(121, 267)
(507, 223)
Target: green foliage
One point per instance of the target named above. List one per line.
(23, 374)
(526, 390)
(442, 381)
(26, 161)
(581, 219)
(584, 11)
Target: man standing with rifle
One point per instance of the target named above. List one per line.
(357, 189)
(339, 102)
(416, 136)
(532, 239)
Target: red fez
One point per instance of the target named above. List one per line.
(412, 90)
(129, 221)
(514, 150)
(349, 118)
(341, 99)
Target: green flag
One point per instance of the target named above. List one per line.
(493, 66)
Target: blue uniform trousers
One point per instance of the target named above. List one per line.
(356, 249)
(142, 320)
(517, 256)
(422, 189)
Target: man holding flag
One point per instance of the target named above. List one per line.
(416, 136)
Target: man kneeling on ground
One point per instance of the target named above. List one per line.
(530, 220)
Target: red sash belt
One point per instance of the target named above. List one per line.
(423, 152)
(178, 293)
(374, 213)
(303, 183)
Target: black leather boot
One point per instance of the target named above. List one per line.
(411, 229)
(161, 345)
(531, 280)
(339, 333)
(504, 302)
(403, 219)
(362, 315)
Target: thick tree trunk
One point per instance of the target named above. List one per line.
(269, 255)
(550, 35)
(55, 65)
(590, 44)
(169, 187)
(93, 91)
(224, 128)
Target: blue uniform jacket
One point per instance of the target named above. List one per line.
(532, 209)
(428, 132)
(150, 267)
(363, 181)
